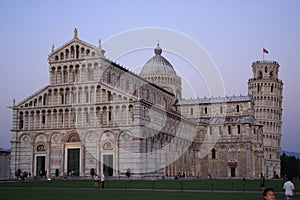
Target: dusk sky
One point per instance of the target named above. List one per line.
(232, 32)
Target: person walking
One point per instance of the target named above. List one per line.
(102, 181)
(96, 181)
(262, 182)
(290, 189)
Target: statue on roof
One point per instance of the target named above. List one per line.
(99, 44)
(75, 33)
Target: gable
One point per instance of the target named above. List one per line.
(75, 49)
(36, 99)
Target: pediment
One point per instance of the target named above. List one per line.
(33, 100)
(75, 49)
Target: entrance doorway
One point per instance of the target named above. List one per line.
(232, 171)
(108, 165)
(73, 162)
(40, 165)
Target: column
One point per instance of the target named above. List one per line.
(95, 96)
(63, 119)
(34, 120)
(51, 119)
(69, 120)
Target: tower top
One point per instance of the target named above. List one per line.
(265, 69)
(265, 62)
(157, 50)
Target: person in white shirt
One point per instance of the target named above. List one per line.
(290, 189)
(102, 180)
(96, 180)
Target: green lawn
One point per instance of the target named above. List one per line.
(122, 189)
(249, 185)
(74, 194)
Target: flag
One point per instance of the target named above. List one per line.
(265, 51)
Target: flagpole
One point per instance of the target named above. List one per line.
(263, 54)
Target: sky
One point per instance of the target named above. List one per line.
(232, 32)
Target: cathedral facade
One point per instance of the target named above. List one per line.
(95, 116)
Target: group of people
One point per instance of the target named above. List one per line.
(96, 181)
(288, 186)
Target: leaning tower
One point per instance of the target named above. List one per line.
(266, 91)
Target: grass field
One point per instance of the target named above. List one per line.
(137, 189)
(74, 194)
(239, 185)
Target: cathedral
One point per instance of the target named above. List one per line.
(95, 116)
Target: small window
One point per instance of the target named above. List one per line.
(192, 111)
(272, 88)
(107, 146)
(266, 69)
(229, 129)
(41, 147)
(210, 130)
(221, 109)
(62, 99)
(239, 129)
(43, 119)
(205, 110)
(237, 108)
(21, 122)
(61, 116)
(270, 156)
(109, 115)
(213, 153)
(260, 74)
(74, 138)
(44, 100)
(271, 75)
(86, 97)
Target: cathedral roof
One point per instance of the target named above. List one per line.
(213, 100)
(157, 65)
(230, 120)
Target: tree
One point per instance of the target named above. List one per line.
(290, 166)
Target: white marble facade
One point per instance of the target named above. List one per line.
(97, 116)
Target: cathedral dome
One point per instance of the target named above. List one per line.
(157, 65)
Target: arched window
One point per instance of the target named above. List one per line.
(259, 74)
(229, 129)
(21, 121)
(213, 153)
(65, 74)
(107, 146)
(271, 74)
(40, 147)
(76, 75)
(74, 138)
(272, 87)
